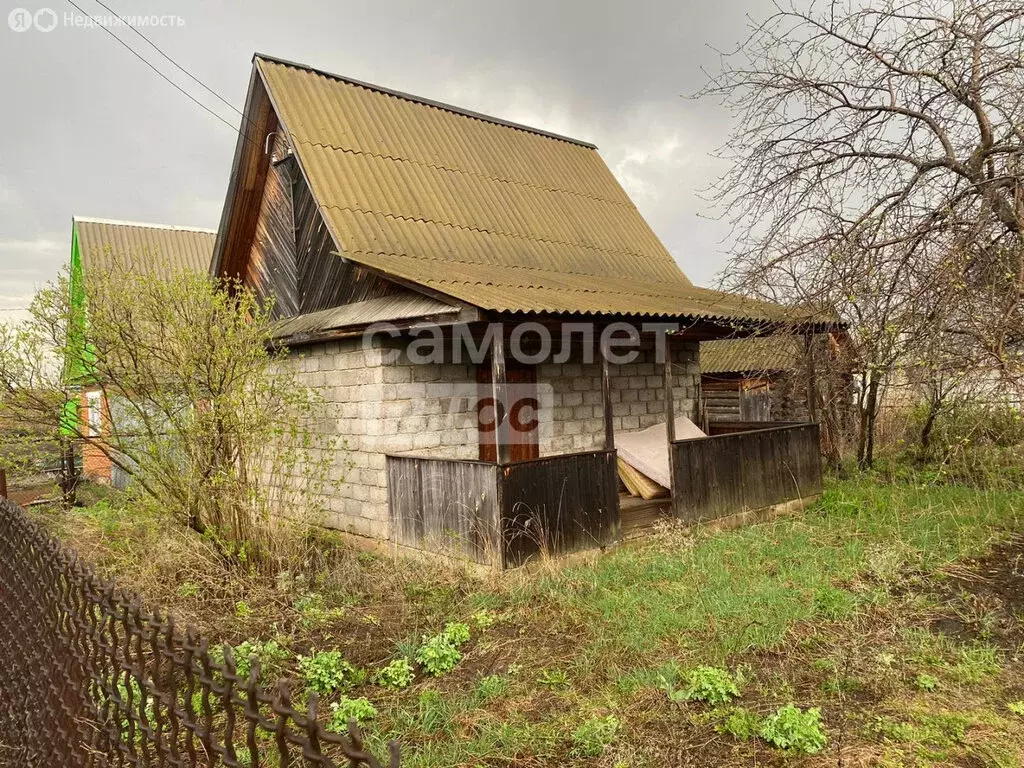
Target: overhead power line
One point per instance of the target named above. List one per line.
(153, 67)
(181, 68)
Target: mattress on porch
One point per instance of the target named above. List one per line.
(647, 450)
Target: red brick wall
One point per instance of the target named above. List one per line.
(95, 464)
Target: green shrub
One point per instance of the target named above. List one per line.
(740, 723)
(313, 610)
(269, 653)
(398, 674)
(327, 672)
(483, 619)
(926, 683)
(1017, 707)
(188, 589)
(709, 684)
(456, 633)
(346, 709)
(795, 730)
(437, 655)
(594, 735)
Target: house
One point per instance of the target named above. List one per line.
(98, 245)
(459, 287)
(754, 379)
(779, 379)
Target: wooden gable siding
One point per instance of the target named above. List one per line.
(273, 236)
(271, 269)
(326, 279)
(248, 181)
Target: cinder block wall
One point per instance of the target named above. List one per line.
(637, 395)
(378, 406)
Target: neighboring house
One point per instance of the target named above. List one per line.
(768, 378)
(98, 245)
(754, 379)
(352, 205)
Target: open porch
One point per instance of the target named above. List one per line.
(510, 504)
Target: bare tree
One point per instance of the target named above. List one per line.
(876, 170)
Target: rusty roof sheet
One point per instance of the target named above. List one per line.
(144, 247)
(501, 216)
(755, 354)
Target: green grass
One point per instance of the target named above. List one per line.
(740, 590)
(570, 665)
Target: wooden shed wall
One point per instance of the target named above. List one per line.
(271, 268)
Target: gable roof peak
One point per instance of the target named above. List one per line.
(423, 100)
(140, 224)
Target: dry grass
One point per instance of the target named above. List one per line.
(842, 608)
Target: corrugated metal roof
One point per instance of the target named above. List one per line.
(499, 216)
(404, 306)
(143, 247)
(755, 354)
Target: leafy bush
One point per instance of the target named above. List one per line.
(346, 709)
(483, 619)
(974, 444)
(439, 654)
(456, 633)
(594, 735)
(327, 672)
(311, 606)
(740, 723)
(926, 683)
(398, 674)
(269, 653)
(710, 684)
(188, 589)
(795, 730)
(1017, 707)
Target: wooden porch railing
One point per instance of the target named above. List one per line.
(445, 505)
(724, 474)
(504, 514)
(558, 504)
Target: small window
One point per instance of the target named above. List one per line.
(94, 412)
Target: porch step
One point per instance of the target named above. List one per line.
(638, 515)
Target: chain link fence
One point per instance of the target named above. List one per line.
(89, 678)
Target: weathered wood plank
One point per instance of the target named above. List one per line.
(558, 504)
(732, 472)
(446, 506)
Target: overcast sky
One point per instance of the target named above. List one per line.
(89, 130)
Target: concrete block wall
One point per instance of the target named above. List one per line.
(377, 406)
(637, 394)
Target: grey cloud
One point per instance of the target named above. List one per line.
(91, 131)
